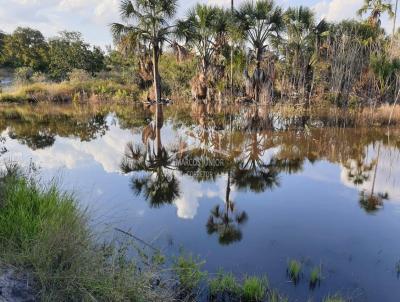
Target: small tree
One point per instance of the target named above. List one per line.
(147, 20)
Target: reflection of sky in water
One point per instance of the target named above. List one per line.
(314, 215)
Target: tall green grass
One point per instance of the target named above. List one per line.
(43, 232)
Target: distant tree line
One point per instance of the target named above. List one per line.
(256, 52)
(265, 53)
(28, 48)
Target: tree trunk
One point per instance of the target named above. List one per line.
(395, 19)
(156, 75)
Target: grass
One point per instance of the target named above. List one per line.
(294, 270)
(225, 283)
(274, 296)
(68, 91)
(188, 270)
(254, 289)
(43, 232)
(334, 298)
(315, 276)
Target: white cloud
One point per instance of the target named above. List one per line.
(336, 10)
(387, 177)
(71, 153)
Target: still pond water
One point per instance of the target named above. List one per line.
(244, 189)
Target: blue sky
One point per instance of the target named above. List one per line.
(91, 17)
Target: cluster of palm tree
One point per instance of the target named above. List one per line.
(284, 53)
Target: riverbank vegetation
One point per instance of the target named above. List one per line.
(256, 53)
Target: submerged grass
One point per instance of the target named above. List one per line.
(294, 270)
(225, 284)
(334, 298)
(315, 276)
(254, 289)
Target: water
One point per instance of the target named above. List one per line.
(244, 189)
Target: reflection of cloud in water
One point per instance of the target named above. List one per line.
(70, 153)
(192, 191)
(388, 173)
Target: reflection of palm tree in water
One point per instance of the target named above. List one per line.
(371, 202)
(359, 173)
(159, 186)
(251, 170)
(227, 221)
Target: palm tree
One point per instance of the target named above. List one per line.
(261, 21)
(299, 47)
(376, 9)
(147, 21)
(204, 30)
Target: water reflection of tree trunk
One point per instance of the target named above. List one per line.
(375, 171)
(158, 125)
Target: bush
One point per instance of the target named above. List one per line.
(79, 75)
(23, 75)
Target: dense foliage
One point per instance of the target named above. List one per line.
(28, 48)
(258, 52)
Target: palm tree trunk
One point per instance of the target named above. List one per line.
(156, 75)
(232, 8)
(395, 19)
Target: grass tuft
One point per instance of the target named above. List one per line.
(254, 289)
(315, 276)
(294, 270)
(335, 298)
(188, 270)
(225, 284)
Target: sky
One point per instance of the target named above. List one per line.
(92, 17)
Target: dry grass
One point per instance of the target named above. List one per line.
(94, 90)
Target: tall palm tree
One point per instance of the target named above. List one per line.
(204, 30)
(261, 21)
(376, 9)
(299, 47)
(147, 20)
